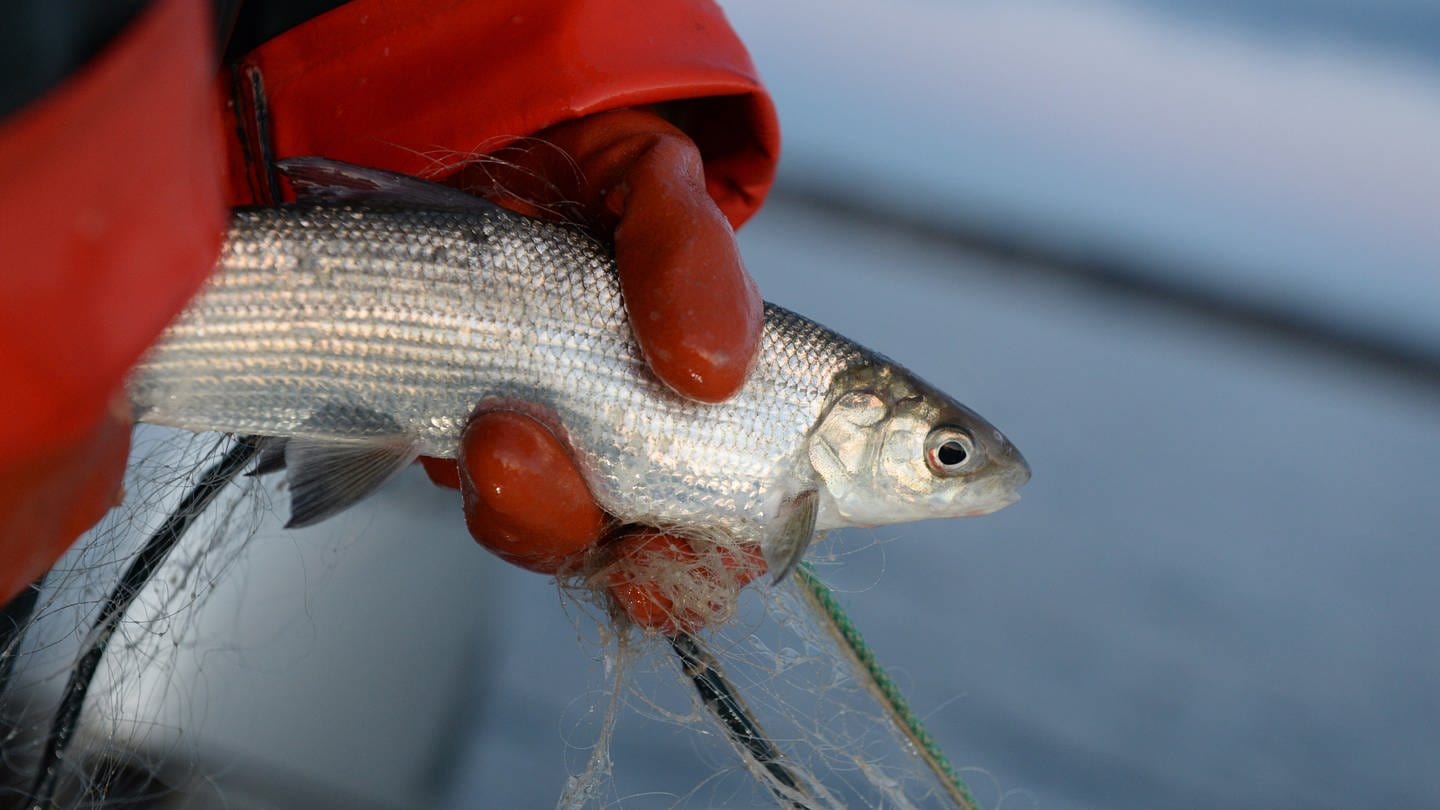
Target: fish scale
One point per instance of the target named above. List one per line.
(421, 315)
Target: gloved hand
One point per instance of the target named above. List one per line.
(695, 311)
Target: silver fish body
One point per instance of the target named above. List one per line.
(351, 323)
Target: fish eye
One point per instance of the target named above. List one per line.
(949, 450)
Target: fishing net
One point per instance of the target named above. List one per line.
(112, 608)
(767, 687)
(815, 730)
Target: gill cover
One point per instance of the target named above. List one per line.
(874, 451)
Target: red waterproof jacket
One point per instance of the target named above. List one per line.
(114, 188)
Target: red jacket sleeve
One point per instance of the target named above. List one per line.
(408, 86)
(111, 212)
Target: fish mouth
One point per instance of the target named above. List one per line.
(993, 504)
(1017, 472)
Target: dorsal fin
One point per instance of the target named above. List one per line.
(318, 179)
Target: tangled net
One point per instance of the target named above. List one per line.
(773, 691)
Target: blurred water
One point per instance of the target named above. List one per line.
(1217, 589)
(1411, 26)
(1297, 173)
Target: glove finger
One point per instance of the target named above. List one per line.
(696, 312)
(524, 498)
(672, 584)
(444, 472)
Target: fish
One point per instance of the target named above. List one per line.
(363, 325)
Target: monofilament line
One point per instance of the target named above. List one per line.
(878, 681)
(739, 724)
(134, 580)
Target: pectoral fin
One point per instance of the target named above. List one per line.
(325, 477)
(271, 457)
(787, 544)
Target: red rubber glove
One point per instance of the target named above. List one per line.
(696, 313)
(642, 580)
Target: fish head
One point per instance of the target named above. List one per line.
(891, 448)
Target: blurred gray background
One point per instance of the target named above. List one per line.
(1185, 254)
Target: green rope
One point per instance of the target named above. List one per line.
(844, 631)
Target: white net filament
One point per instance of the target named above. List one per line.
(133, 745)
